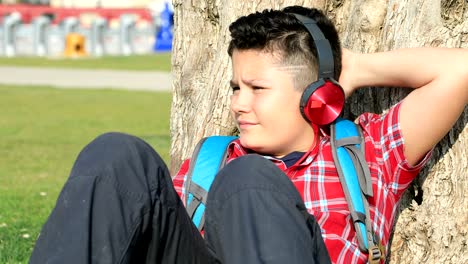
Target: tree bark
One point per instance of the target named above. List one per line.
(433, 224)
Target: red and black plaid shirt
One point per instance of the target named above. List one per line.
(316, 179)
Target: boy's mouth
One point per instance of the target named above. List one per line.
(245, 124)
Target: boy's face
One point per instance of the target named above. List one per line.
(265, 105)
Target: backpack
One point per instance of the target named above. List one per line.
(347, 145)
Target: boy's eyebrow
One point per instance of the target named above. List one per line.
(252, 82)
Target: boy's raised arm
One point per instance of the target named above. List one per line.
(439, 77)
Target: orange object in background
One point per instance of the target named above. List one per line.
(75, 45)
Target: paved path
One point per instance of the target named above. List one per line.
(72, 78)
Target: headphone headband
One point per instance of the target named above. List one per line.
(326, 68)
(322, 101)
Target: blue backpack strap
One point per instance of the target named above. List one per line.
(207, 159)
(348, 145)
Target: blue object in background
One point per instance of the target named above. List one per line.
(163, 40)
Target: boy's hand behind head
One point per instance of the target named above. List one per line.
(348, 71)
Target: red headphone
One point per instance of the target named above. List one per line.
(323, 100)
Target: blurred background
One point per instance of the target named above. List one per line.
(73, 28)
(114, 59)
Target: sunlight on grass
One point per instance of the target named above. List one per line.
(42, 131)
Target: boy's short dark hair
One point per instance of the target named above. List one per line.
(281, 34)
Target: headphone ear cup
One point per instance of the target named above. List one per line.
(322, 102)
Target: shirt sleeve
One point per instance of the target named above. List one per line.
(179, 179)
(385, 141)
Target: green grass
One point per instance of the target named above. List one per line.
(41, 132)
(152, 62)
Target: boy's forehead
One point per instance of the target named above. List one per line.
(275, 60)
(290, 69)
(260, 67)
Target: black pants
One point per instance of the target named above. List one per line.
(119, 206)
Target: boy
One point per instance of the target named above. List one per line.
(278, 199)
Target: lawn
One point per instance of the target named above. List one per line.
(152, 62)
(42, 130)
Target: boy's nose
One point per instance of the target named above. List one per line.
(241, 101)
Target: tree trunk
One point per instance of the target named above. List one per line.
(433, 224)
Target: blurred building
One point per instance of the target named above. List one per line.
(8, 2)
(85, 10)
(93, 3)
(109, 26)
(106, 3)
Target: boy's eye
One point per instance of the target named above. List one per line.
(257, 88)
(235, 88)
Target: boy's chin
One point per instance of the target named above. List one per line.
(252, 145)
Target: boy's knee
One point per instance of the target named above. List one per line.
(122, 162)
(251, 172)
(247, 171)
(118, 145)
(111, 141)
(108, 148)
(246, 167)
(113, 152)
